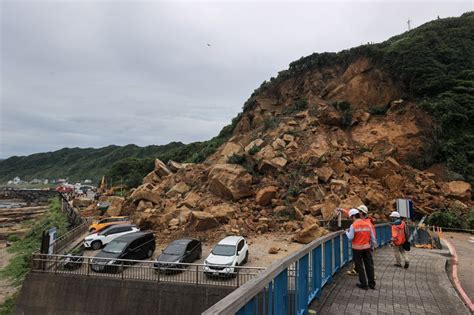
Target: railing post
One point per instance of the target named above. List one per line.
(197, 274)
(123, 269)
(88, 265)
(238, 278)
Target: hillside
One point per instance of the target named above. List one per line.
(77, 163)
(364, 126)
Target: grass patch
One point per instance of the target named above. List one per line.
(9, 305)
(22, 249)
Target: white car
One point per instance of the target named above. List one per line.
(102, 238)
(230, 252)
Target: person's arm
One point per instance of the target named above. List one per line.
(372, 239)
(350, 233)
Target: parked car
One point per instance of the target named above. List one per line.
(105, 222)
(230, 252)
(134, 246)
(102, 238)
(185, 250)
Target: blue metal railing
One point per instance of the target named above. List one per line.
(288, 286)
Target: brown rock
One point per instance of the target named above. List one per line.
(315, 192)
(228, 150)
(331, 202)
(459, 190)
(394, 182)
(267, 153)
(176, 166)
(191, 200)
(324, 173)
(316, 210)
(278, 144)
(265, 195)
(279, 162)
(360, 162)
(146, 194)
(173, 222)
(290, 226)
(151, 178)
(273, 250)
(179, 189)
(375, 199)
(351, 202)
(161, 169)
(288, 138)
(230, 181)
(309, 221)
(255, 143)
(201, 221)
(116, 204)
(309, 234)
(223, 212)
(390, 162)
(298, 214)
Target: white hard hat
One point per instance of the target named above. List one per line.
(363, 209)
(394, 214)
(353, 212)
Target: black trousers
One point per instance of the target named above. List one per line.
(364, 264)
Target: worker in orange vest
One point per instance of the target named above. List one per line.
(365, 212)
(398, 239)
(363, 244)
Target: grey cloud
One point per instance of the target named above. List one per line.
(94, 73)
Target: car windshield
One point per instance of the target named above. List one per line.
(174, 249)
(107, 230)
(224, 250)
(115, 247)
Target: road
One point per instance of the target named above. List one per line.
(464, 244)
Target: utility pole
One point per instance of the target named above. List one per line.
(409, 24)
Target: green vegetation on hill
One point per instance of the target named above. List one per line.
(434, 63)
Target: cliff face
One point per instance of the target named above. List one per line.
(334, 130)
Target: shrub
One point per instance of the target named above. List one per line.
(444, 219)
(236, 159)
(379, 110)
(12, 238)
(254, 150)
(271, 123)
(298, 106)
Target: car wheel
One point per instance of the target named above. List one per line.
(96, 245)
(149, 253)
(246, 259)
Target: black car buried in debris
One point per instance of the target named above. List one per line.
(185, 250)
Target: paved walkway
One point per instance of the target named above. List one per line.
(424, 288)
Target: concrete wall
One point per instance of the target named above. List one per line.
(69, 294)
(30, 196)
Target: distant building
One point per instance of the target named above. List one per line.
(87, 181)
(45, 181)
(16, 180)
(36, 181)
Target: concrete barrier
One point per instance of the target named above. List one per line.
(69, 294)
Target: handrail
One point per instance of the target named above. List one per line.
(243, 298)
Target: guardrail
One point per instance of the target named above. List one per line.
(144, 270)
(63, 241)
(288, 286)
(73, 216)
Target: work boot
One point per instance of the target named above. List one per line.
(352, 272)
(363, 287)
(372, 286)
(406, 265)
(398, 265)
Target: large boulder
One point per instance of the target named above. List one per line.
(265, 195)
(324, 173)
(255, 143)
(228, 150)
(116, 204)
(361, 162)
(309, 234)
(375, 199)
(191, 200)
(176, 166)
(151, 178)
(459, 190)
(201, 221)
(394, 182)
(223, 212)
(161, 169)
(230, 181)
(351, 202)
(179, 189)
(331, 202)
(145, 192)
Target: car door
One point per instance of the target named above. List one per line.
(240, 252)
(109, 235)
(189, 258)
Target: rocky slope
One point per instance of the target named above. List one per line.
(326, 136)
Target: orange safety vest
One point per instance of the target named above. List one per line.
(361, 234)
(398, 234)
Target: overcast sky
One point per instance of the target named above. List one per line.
(94, 73)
